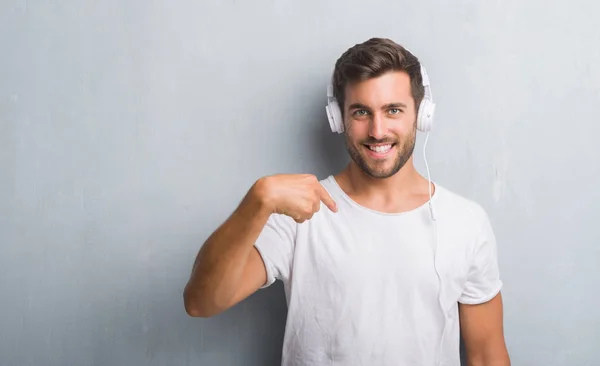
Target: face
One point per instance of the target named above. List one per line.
(380, 123)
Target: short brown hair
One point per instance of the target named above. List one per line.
(374, 58)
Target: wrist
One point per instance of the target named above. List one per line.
(260, 198)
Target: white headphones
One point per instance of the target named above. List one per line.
(424, 114)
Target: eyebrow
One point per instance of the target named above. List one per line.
(390, 105)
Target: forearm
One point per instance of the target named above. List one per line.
(221, 261)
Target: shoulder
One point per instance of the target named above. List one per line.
(465, 223)
(329, 183)
(459, 208)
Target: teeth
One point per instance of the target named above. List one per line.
(381, 148)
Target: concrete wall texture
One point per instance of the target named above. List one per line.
(130, 129)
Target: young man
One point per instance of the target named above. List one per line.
(380, 267)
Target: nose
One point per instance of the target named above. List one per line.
(378, 126)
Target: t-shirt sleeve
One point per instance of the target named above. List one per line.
(275, 244)
(483, 279)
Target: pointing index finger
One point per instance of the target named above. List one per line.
(326, 199)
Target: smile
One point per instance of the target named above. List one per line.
(379, 151)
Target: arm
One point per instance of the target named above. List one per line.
(228, 268)
(483, 334)
(480, 306)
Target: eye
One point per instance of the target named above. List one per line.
(360, 113)
(395, 111)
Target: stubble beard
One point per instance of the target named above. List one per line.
(405, 148)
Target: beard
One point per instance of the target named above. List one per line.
(382, 169)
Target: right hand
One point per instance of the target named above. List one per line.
(298, 196)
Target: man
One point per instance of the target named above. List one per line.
(372, 276)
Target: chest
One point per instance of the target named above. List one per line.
(346, 259)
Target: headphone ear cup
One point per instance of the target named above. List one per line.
(334, 115)
(425, 115)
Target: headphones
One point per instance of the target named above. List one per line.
(424, 114)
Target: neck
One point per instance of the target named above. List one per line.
(404, 181)
(403, 191)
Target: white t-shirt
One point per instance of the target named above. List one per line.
(361, 285)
